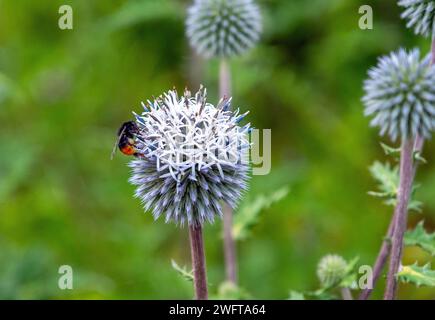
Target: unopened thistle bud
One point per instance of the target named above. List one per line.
(400, 95)
(331, 270)
(420, 15)
(223, 28)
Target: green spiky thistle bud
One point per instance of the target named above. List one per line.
(331, 270)
(400, 95)
(420, 15)
(223, 28)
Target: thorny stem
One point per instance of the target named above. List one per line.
(384, 252)
(195, 69)
(229, 246)
(380, 260)
(229, 243)
(386, 244)
(401, 215)
(224, 79)
(198, 262)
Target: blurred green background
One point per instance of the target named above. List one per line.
(63, 94)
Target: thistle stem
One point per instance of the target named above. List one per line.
(198, 262)
(400, 220)
(380, 260)
(346, 294)
(384, 252)
(195, 69)
(224, 79)
(386, 244)
(229, 246)
(229, 243)
(401, 216)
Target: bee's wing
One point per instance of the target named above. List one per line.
(116, 144)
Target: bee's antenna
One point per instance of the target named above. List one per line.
(116, 143)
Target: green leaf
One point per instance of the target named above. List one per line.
(418, 157)
(248, 216)
(415, 205)
(349, 280)
(388, 178)
(395, 152)
(420, 276)
(419, 237)
(390, 150)
(187, 275)
(388, 185)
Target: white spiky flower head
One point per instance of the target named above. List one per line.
(223, 28)
(193, 157)
(420, 15)
(331, 270)
(400, 95)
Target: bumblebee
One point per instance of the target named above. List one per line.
(126, 139)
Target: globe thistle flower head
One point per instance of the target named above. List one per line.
(223, 28)
(193, 156)
(420, 15)
(400, 95)
(331, 270)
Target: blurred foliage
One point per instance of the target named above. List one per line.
(63, 94)
(182, 271)
(229, 291)
(420, 238)
(26, 274)
(248, 215)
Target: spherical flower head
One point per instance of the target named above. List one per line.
(192, 157)
(331, 270)
(400, 95)
(420, 15)
(223, 28)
